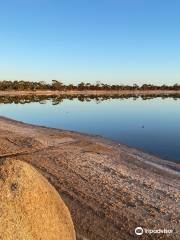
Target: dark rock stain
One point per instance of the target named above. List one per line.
(14, 187)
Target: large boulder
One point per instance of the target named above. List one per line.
(30, 208)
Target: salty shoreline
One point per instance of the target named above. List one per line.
(109, 188)
(89, 92)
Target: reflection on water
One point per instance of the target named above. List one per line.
(146, 122)
(83, 98)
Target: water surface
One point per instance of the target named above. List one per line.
(152, 124)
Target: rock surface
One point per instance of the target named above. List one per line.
(30, 208)
(109, 188)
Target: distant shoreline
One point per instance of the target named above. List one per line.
(88, 92)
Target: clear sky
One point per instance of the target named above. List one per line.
(113, 41)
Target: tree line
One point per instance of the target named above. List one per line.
(55, 85)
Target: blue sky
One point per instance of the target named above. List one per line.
(113, 41)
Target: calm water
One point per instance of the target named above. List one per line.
(152, 125)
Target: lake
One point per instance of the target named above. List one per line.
(152, 125)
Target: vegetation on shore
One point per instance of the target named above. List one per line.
(59, 86)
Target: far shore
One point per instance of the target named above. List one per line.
(89, 92)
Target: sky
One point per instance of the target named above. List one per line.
(112, 41)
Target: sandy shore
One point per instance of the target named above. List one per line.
(109, 188)
(88, 93)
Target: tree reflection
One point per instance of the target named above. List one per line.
(56, 100)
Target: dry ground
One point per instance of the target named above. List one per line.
(109, 188)
(90, 92)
